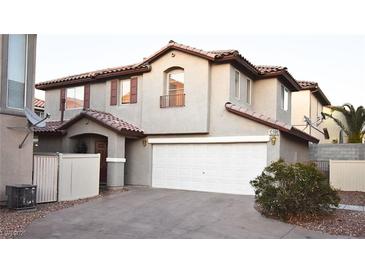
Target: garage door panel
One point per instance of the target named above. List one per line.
(226, 168)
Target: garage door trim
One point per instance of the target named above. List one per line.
(210, 140)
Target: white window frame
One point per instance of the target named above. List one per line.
(83, 99)
(284, 91)
(248, 91)
(121, 92)
(237, 95)
(25, 76)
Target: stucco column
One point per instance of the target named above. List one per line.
(116, 161)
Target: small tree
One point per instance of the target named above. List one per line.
(355, 121)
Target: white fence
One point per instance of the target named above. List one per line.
(65, 177)
(45, 176)
(347, 175)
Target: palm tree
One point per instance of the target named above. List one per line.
(355, 120)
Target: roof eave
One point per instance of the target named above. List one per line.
(321, 96)
(100, 77)
(124, 132)
(240, 64)
(293, 131)
(285, 77)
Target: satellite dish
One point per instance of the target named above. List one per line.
(34, 119)
(315, 126)
(308, 121)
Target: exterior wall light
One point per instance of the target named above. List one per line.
(274, 134)
(144, 142)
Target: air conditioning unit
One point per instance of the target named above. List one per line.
(21, 196)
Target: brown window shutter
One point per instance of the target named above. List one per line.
(87, 96)
(134, 88)
(114, 92)
(62, 99)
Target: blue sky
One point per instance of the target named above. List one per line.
(337, 62)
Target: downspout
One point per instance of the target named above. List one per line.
(63, 101)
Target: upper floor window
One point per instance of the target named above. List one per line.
(248, 91)
(17, 64)
(175, 80)
(75, 97)
(237, 92)
(175, 87)
(284, 98)
(125, 91)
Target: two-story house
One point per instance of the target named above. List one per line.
(182, 118)
(17, 68)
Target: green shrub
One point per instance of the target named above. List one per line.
(293, 189)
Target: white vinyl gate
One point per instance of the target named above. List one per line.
(65, 177)
(45, 177)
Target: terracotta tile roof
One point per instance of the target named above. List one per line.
(93, 75)
(213, 55)
(264, 69)
(262, 119)
(218, 56)
(107, 120)
(38, 103)
(316, 91)
(307, 84)
(51, 127)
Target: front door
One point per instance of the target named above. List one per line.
(102, 148)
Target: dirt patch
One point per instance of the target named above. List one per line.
(352, 197)
(13, 223)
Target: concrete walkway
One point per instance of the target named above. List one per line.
(161, 213)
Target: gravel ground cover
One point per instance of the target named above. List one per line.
(352, 197)
(13, 222)
(340, 222)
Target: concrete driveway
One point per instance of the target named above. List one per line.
(162, 213)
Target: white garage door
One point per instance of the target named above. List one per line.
(225, 168)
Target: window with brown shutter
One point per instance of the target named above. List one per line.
(134, 88)
(62, 99)
(87, 96)
(114, 92)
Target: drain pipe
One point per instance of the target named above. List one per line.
(63, 101)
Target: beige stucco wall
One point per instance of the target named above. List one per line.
(15, 163)
(300, 106)
(305, 103)
(128, 112)
(293, 149)
(97, 101)
(193, 118)
(264, 97)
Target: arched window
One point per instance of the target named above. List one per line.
(174, 88)
(175, 81)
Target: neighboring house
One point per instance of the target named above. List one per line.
(39, 107)
(337, 135)
(182, 118)
(17, 68)
(309, 102)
